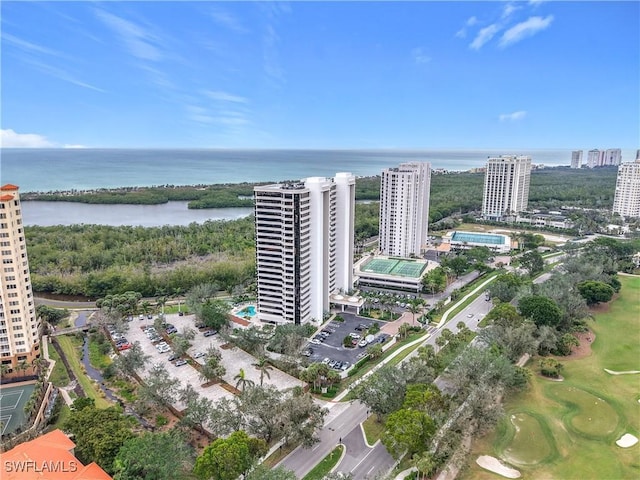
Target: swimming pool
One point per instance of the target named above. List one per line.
(248, 311)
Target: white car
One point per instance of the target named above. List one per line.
(198, 355)
(355, 336)
(470, 315)
(164, 349)
(363, 343)
(315, 341)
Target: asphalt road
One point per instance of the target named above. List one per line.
(344, 420)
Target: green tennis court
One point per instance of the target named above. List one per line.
(394, 266)
(12, 402)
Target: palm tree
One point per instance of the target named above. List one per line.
(263, 365)
(243, 380)
(415, 306)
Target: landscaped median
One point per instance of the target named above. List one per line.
(327, 464)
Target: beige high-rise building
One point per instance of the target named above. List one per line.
(627, 199)
(576, 159)
(404, 209)
(19, 326)
(506, 186)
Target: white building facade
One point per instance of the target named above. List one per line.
(304, 246)
(19, 325)
(595, 158)
(576, 159)
(404, 209)
(627, 198)
(506, 186)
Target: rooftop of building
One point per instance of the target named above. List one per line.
(395, 267)
(48, 457)
(8, 187)
(481, 238)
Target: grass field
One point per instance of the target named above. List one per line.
(70, 346)
(59, 376)
(567, 430)
(326, 465)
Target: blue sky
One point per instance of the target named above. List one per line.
(433, 75)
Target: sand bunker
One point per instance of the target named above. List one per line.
(628, 372)
(496, 466)
(627, 440)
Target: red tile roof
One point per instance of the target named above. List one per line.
(6, 198)
(9, 186)
(47, 457)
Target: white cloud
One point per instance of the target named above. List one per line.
(140, 42)
(484, 35)
(525, 29)
(512, 117)
(227, 20)
(420, 56)
(9, 138)
(508, 10)
(220, 96)
(60, 74)
(471, 21)
(32, 47)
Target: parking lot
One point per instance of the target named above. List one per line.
(233, 359)
(332, 348)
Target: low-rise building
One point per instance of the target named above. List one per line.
(459, 240)
(50, 457)
(392, 273)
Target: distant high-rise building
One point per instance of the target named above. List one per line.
(627, 198)
(638, 154)
(506, 186)
(613, 156)
(19, 326)
(404, 209)
(304, 246)
(595, 158)
(576, 159)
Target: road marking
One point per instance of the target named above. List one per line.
(363, 459)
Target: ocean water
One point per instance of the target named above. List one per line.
(43, 170)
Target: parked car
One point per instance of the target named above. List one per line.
(165, 349)
(337, 366)
(124, 346)
(307, 352)
(173, 356)
(171, 330)
(332, 363)
(179, 363)
(141, 317)
(198, 354)
(315, 341)
(344, 366)
(354, 336)
(326, 361)
(150, 317)
(210, 333)
(363, 343)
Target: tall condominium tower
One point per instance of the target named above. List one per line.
(304, 246)
(19, 326)
(595, 158)
(404, 209)
(576, 159)
(506, 186)
(627, 198)
(613, 156)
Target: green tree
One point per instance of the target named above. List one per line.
(214, 313)
(228, 458)
(159, 388)
(408, 431)
(542, 310)
(212, 369)
(242, 381)
(595, 292)
(50, 314)
(154, 456)
(131, 360)
(383, 392)
(533, 262)
(565, 344)
(260, 472)
(98, 434)
(263, 366)
(505, 287)
(504, 314)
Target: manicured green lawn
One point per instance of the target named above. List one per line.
(325, 466)
(70, 346)
(579, 419)
(373, 429)
(59, 376)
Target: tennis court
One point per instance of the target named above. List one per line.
(12, 402)
(394, 266)
(472, 237)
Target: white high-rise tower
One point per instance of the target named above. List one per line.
(404, 209)
(304, 246)
(627, 199)
(19, 326)
(506, 186)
